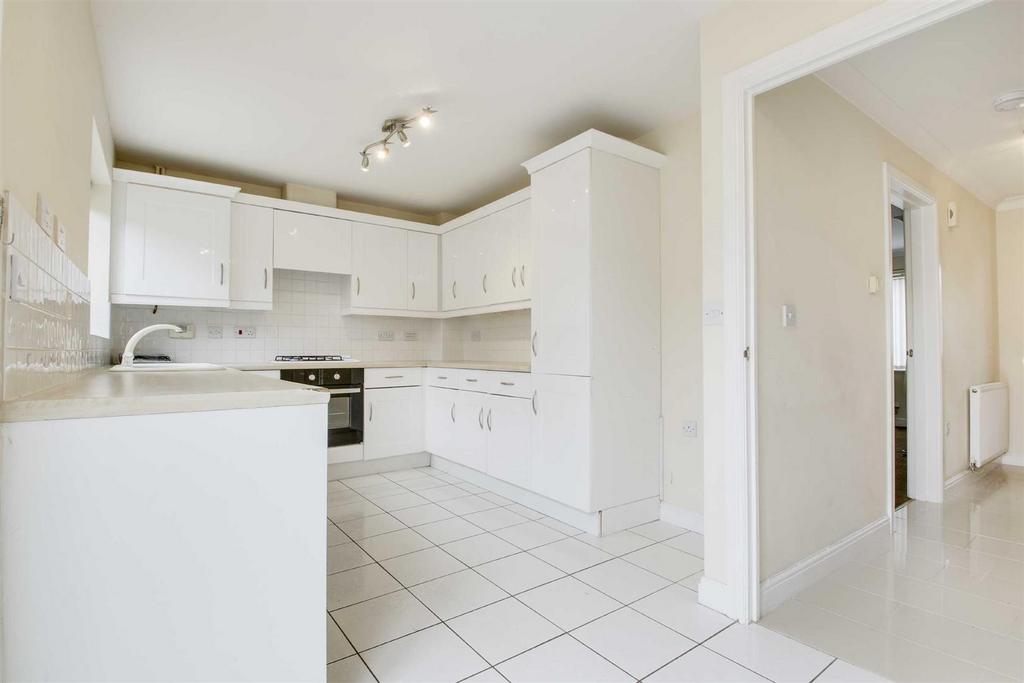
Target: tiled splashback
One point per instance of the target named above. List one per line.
(307, 319)
(46, 313)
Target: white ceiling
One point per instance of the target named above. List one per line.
(293, 91)
(934, 89)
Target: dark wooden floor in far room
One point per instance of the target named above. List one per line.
(901, 466)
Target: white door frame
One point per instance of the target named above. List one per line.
(860, 33)
(925, 476)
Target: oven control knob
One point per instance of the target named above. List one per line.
(337, 375)
(312, 378)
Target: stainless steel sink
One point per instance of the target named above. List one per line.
(166, 367)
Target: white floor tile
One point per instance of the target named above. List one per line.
(529, 535)
(843, 672)
(472, 488)
(432, 655)
(403, 475)
(495, 498)
(564, 660)
(337, 645)
(448, 530)
(617, 544)
(690, 542)
(422, 565)
(393, 544)
(421, 514)
(346, 511)
(467, 504)
(524, 511)
(349, 670)
(455, 594)
(658, 530)
(670, 563)
(677, 608)
(495, 518)
(692, 582)
(364, 527)
(517, 573)
(772, 655)
(400, 501)
(335, 536)
(633, 642)
(365, 482)
(503, 630)
(558, 525)
(346, 556)
(570, 555)
(488, 676)
(373, 493)
(479, 549)
(441, 493)
(621, 580)
(355, 585)
(379, 620)
(701, 665)
(335, 485)
(340, 497)
(423, 483)
(569, 603)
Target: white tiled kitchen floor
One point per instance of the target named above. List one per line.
(942, 599)
(434, 579)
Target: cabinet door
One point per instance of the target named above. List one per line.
(561, 456)
(510, 439)
(380, 258)
(459, 272)
(439, 425)
(422, 272)
(519, 218)
(503, 258)
(176, 244)
(394, 422)
(451, 243)
(252, 257)
(313, 243)
(470, 431)
(560, 219)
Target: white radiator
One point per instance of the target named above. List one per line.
(990, 422)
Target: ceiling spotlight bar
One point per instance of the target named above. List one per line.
(395, 128)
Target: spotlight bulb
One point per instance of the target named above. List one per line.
(383, 152)
(365, 164)
(404, 139)
(425, 117)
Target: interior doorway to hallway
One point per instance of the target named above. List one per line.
(901, 352)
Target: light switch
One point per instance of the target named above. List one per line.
(788, 316)
(714, 314)
(873, 284)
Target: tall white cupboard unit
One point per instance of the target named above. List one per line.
(595, 215)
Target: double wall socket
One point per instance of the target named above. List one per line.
(189, 331)
(385, 335)
(690, 429)
(247, 332)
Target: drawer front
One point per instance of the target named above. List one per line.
(519, 384)
(382, 378)
(443, 377)
(472, 380)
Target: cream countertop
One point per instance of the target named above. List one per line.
(101, 393)
(502, 366)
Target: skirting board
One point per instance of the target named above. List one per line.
(715, 595)
(692, 521)
(1015, 459)
(361, 468)
(957, 478)
(789, 582)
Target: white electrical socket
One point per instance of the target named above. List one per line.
(250, 332)
(214, 331)
(411, 335)
(189, 331)
(714, 314)
(690, 428)
(385, 335)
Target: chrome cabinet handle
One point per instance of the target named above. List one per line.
(222, 272)
(514, 277)
(454, 295)
(371, 412)
(533, 344)
(266, 278)
(533, 402)
(469, 379)
(480, 417)
(442, 376)
(508, 384)
(453, 411)
(489, 427)
(393, 376)
(485, 283)
(414, 291)
(359, 284)
(522, 275)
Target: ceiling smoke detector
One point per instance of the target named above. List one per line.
(395, 128)
(1011, 101)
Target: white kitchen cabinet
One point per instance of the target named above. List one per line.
(393, 423)
(561, 463)
(170, 246)
(439, 421)
(509, 422)
(312, 243)
(521, 220)
(470, 448)
(422, 272)
(380, 258)
(252, 257)
(502, 258)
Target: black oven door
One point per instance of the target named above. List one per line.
(345, 416)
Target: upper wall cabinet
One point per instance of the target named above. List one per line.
(252, 257)
(315, 243)
(170, 241)
(380, 257)
(422, 271)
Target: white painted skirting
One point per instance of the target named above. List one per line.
(789, 582)
(1015, 459)
(957, 478)
(693, 521)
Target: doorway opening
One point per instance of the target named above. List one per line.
(900, 351)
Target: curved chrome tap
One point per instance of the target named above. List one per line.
(128, 356)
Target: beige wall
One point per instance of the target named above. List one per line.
(1010, 240)
(738, 35)
(822, 384)
(680, 310)
(51, 91)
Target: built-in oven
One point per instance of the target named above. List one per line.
(345, 408)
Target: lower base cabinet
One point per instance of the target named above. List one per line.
(393, 422)
(561, 466)
(510, 445)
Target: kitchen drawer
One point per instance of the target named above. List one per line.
(443, 377)
(382, 378)
(472, 380)
(518, 384)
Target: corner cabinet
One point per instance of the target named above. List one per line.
(170, 241)
(252, 257)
